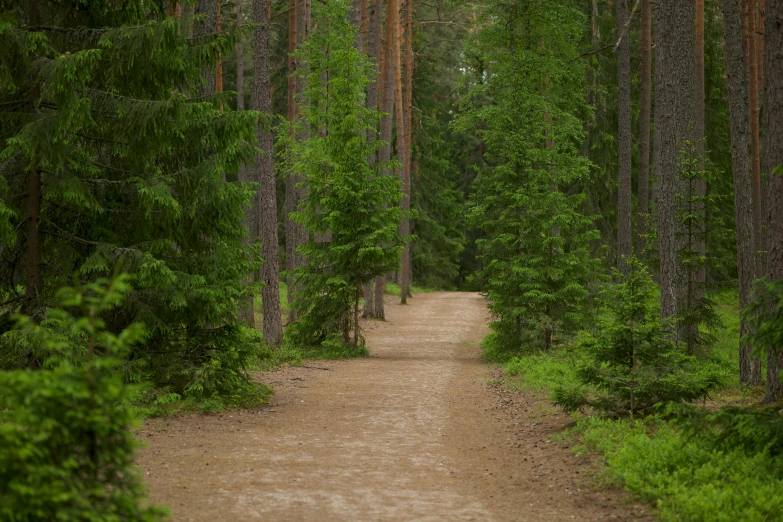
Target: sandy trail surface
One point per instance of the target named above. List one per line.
(420, 430)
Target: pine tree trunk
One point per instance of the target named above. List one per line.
(207, 25)
(773, 158)
(373, 48)
(674, 115)
(643, 182)
(261, 100)
(219, 67)
(407, 265)
(400, 141)
(387, 107)
(294, 194)
(624, 217)
(240, 63)
(246, 173)
(753, 95)
(33, 277)
(698, 131)
(750, 368)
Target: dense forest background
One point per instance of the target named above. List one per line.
(190, 190)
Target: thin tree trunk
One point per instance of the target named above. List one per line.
(33, 278)
(760, 43)
(373, 48)
(407, 264)
(207, 25)
(773, 159)
(219, 68)
(624, 192)
(387, 108)
(246, 173)
(297, 18)
(261, 100)
(753, 94)
(674, 115)
(750, 368)
(240, 63)
(698, 131)
(643, 182)
(401, 140)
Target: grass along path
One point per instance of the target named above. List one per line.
(419, 430)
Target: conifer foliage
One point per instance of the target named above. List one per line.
(351, 211)
(536, 265)
(634, 364)
(109, 161)
(65, 449)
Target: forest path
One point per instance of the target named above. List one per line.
(417, 431)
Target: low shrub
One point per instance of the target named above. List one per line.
(66, 452)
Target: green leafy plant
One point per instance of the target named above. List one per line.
(66, 452)
(352, 210)
(634, 364)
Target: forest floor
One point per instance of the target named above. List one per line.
(422, 429)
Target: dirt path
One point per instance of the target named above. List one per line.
(417, 431)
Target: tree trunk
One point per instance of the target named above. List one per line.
(33, 278)
(753, 95)
(674, 115)
(387, 108)
(750, 368)
(773, 158)
(407, 266)
(246, 173)
(240, 63)
(624, 218)
(294, 194)
(261, 100)
(698, 131)
(373, 48)
(207, 25)
(401, 139)
(760, 43)
(643, 182)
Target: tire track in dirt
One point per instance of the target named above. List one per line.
(416, 431)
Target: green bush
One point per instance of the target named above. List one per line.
(634, 364)
(687, 477)
(65, 449)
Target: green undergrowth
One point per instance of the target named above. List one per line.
(394, 289)
(160, 403)
(686, 476)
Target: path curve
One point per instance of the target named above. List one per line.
(416, 432)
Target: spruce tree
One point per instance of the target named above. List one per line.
(347, 196)
(536, 263)
(634, 364)
(109, 161)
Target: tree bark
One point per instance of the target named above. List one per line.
(246, 173)
(674, 115)
(240, 63)
(407, 264)
(624, 193)
(698, 131)
(643, 182)
(33, 277)
(400, 139)
(261, 100)
(387, 108)
(208, 25)
(750, 368)
(294, 193)
(373, 48)
(773, 159)
(753, 95)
